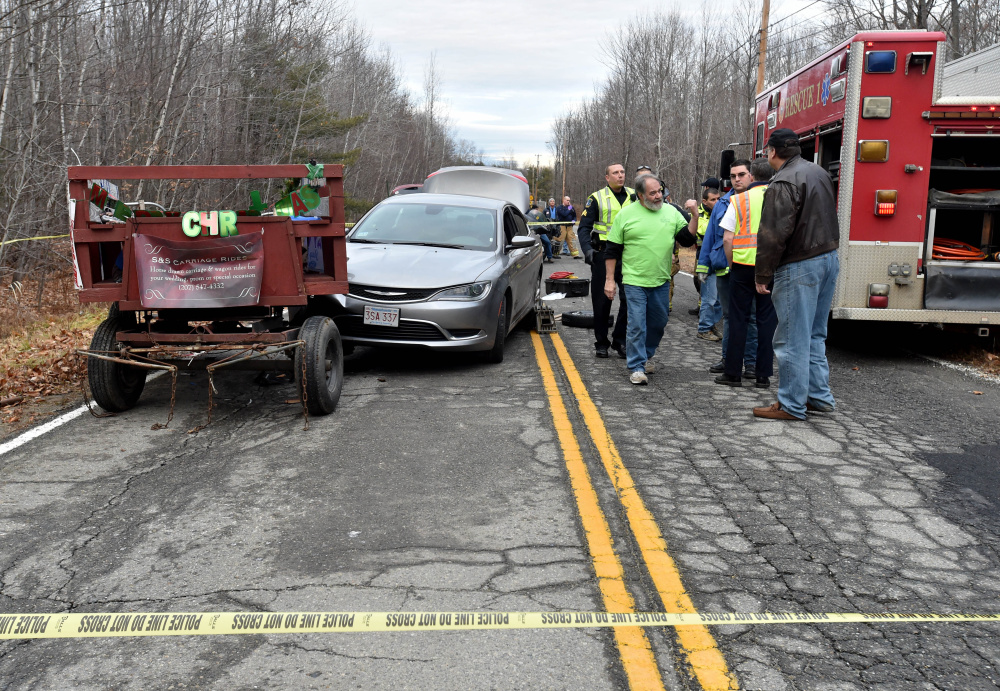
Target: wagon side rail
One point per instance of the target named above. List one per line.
(97, 245)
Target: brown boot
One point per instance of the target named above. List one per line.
(774, 412)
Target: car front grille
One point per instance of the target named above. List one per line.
(353, 326)
(396, 294)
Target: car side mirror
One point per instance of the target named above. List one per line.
(521, 242)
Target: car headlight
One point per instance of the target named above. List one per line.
(471, 291)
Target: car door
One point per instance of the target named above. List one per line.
(519, 264)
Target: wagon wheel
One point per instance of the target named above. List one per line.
(321, 360)
(115, 387)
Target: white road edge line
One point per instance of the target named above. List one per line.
(964, 369)
(36, 432)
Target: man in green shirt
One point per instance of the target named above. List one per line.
(643, 237)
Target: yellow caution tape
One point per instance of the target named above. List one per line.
(77, 625)
(37, 237)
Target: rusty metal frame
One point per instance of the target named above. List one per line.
(245, 352)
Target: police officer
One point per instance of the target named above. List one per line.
(598, 215)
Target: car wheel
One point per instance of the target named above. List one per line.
(495, 354)
(115, 387)
(530, 319)
(320, 361)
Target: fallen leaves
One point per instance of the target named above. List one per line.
(36, 350)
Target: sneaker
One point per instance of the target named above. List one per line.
(750, 372)
(602, 351)
(717, 330)
(577, 256)
(638, 378)
(620, 349)
(726, 380)
(818, 407)
(709, 336)
(694, 310)
(650, 367)
(763, 383)
(718, 368)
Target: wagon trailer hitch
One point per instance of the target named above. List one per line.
(245, 357)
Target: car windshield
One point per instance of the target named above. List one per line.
(436, 225)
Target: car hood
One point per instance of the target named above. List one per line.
(413, 266)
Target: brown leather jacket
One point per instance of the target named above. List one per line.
(799, 218)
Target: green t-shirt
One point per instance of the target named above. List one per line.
(648, 238)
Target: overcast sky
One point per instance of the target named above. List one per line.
(507, 69)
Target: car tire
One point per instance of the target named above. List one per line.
(530, 319)
(321, 387)
(115, 387)
(582, 318)
(495, 354)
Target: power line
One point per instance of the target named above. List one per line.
(801, 9)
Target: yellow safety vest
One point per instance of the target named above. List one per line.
(703, 216)
(609, 208)
(748, 205)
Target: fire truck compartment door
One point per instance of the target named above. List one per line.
(970, 287)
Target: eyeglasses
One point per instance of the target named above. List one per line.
(642, 168)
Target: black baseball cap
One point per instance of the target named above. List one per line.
(711, 182)
(783, 137)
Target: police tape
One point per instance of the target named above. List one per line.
(37, 237)
(77, 625)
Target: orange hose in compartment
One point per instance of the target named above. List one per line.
(946, 248)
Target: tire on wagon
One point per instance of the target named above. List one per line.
(114, 386)
(319, 365)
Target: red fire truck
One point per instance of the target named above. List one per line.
(913, 147)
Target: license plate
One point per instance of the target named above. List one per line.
(381, 316)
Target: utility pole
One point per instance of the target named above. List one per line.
(538, 162)
(564, 164)
(763, 45)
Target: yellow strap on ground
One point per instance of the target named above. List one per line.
(80, 625)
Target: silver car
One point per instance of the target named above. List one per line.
(442, 271)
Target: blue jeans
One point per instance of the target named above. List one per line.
(648, 312)
(750, 352)
(547, 244)
(711, 309)
(802, 295)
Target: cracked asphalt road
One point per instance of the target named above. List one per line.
(443, 488)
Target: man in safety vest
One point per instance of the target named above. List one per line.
(740, 225)
(598, 215)
(712, 259)
(709, 311)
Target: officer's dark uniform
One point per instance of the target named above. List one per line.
(592, 233)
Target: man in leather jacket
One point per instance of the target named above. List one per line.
(797, 251)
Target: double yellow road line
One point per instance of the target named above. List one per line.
(706, 662)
